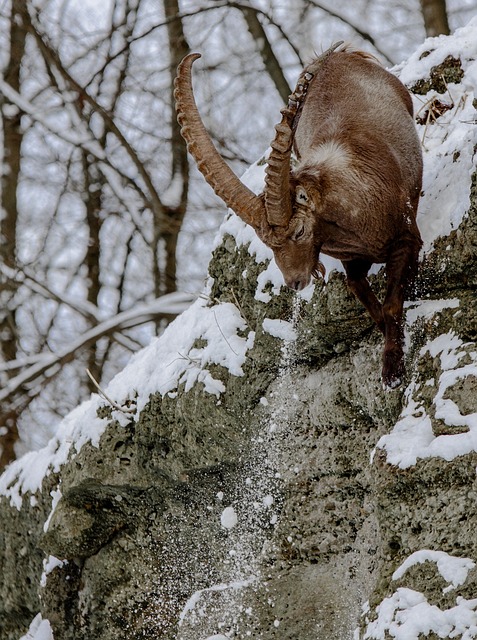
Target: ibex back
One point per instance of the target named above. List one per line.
(354, 192)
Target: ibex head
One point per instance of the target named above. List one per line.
(284, 214)
(295, 242)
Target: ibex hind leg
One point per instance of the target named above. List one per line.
(401, 268)
(356, 272)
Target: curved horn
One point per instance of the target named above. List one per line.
(213, 167)
(278, 204)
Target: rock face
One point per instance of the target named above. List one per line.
(266, 486)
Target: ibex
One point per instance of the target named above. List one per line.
(354, 192)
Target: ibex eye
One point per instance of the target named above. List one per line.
(299, 233)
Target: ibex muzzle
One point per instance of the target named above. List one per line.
(354, 192)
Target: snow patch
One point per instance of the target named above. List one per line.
(426, 309)
(26, 474)
(280, 329)
(448, 143)
(412, 437)
(453, 569)
(49, 565)
(56, 497)
(407, 615)
(39, 630)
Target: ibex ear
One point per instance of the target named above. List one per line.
(301, 195)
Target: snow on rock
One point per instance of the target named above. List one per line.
(49, 564)
(280, 329)
(448, 142)
(201, 336)
(271, 279)
(449, 162)
(462, 44)
(453, 569)
(412, 437)
(39, 630)
(56, 497)
(175, 358)
(407, 615)
(427, 308)
(26, 474)
(431, 423)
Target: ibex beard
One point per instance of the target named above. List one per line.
(353, 194)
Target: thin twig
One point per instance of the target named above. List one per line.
(223, 334)
(237, 304)
(194, 361)
(102, 393)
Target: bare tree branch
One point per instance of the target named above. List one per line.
(363, 34)
(48, 366)
(52, 57)
(82, 138)
(87, 309)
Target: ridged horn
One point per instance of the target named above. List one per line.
(278, 203)
(246, 204)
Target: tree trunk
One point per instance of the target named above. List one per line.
(435, 17)
(12, 141)
(93, 207)
(179, 47)
(270, 61)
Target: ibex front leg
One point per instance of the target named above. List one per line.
(401, 268)
(356, 272)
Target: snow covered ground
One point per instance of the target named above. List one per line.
(172, 359)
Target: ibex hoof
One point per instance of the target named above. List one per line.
(391, 384)
(393, 371)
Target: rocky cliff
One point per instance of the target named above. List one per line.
(257, 481)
